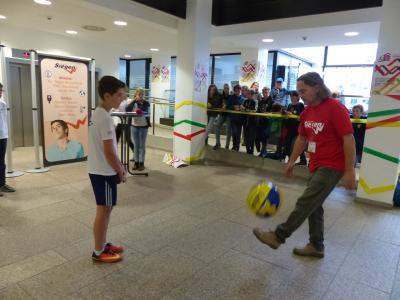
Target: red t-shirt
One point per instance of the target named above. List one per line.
(324, 126)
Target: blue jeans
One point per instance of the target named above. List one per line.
(215, 121)
(139, 135)
(3, 148)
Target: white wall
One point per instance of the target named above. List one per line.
(107, 57)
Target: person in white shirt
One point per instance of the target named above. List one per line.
(3, 145)
(105, 168)
(119, 127)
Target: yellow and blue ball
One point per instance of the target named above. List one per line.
(264, 199)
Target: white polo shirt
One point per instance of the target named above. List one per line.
(3, 120)
(101, 128)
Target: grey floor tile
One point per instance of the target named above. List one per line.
(147, 278)
(213, 240)
(66, 278)
(29, 267)
(232, 276)
(373, 263)
(348, 289)
(14, 292)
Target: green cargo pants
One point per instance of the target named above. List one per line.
(309, 205)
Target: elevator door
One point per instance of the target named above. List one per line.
(21, 104)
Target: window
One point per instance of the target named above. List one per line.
(122, 70)
(137, 76)
(226, 69)
(351, 54)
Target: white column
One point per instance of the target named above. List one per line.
(253, 66)
(191, 80)
(160, 70)
(380, 163)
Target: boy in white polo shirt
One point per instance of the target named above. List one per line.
(3, 145)
(105, 168)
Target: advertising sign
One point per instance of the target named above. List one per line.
(64, 103)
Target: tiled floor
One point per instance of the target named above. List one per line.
(187, 235)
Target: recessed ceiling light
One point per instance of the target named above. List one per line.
(71, 31)
(43, 2)
(2, 17)
(267, 40)
(351, 33)
(120, 23)
(127, 56)
(154, 49)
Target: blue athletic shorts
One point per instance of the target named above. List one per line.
(105, 189)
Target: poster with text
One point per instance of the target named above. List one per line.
(65, 102)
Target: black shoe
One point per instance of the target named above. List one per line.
(301, 163)
(141, 167)
(135, 166)
(7, 189)
(217, 146)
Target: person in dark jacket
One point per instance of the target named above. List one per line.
(250, 122)
(295, 108)
(214, 100)
(264, 106)
(233, 103)
(140, 126)
(359, 130)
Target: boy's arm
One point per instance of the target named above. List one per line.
(113, 160)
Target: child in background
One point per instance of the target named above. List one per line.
(214, 100)
(263, 123)
(292, 126)
(359, 130)
(250, 124)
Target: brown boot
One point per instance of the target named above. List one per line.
(135, 166)
(267, 237)
(309, 250)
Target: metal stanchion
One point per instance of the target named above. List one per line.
(10, 170)
(38, 166)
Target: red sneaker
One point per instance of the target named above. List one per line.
(106, 257)
(113, 248)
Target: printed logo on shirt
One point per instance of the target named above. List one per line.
(317, 127)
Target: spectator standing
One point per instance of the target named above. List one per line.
(233, 103)
(295, 108)
(250, 124)
(264, 106)
(214, 101)
(359, 130)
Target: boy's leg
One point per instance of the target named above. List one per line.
(100, 226)
(210, 125)
(218, 123)
(228, 131)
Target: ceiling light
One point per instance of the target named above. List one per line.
(154, 49)
(43, 2)
(2, 17)
(120, 23)
(268, 40)
(127, 56)
(351, 33)
(71, 31)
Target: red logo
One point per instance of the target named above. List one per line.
(69, 69)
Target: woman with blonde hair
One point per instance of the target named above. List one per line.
(140, 126)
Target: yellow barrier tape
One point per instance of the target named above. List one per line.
(375, 190)
(190, 102)
(273, 115)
